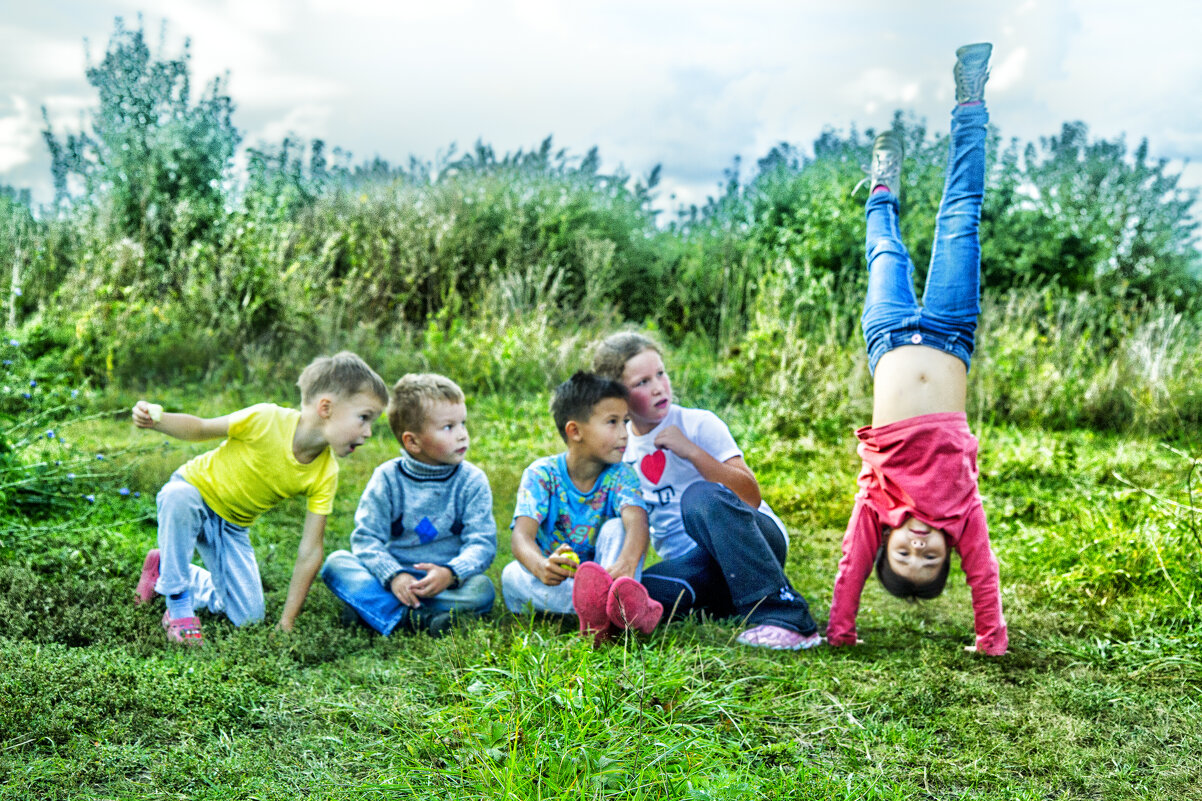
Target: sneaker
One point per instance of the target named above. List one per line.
(629, 607)
(183, 630)
(885, 170)
(778, 638)
(971, 72)
(590, 594)
(349, 616)
(150, 575)
(434, 623)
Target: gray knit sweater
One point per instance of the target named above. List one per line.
(412, 512)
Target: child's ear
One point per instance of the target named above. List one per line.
(410, 444)
(571, 430)
(325, 405)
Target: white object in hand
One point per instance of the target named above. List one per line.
(156, 411)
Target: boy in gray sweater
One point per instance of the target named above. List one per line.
(424, 531)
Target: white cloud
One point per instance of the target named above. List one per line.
(18, 133)
(689, 83)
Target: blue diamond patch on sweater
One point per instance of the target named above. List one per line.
(426, 531)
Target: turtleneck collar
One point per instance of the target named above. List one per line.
(426, 472)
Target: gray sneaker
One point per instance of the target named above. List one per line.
(972, 70)
(885, 170)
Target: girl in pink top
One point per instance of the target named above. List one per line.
(918, 496)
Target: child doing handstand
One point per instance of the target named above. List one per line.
(270, 453)
(918, 494)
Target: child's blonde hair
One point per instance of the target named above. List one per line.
(612, 353)
(344, 374)
(412, 398)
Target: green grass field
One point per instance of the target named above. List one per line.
(1098, 697)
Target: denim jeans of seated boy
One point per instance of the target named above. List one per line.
(947, 319)
(354, 584)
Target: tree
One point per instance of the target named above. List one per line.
(152, 163)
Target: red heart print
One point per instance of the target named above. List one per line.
(653, 465)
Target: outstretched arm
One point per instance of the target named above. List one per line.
(860, 545)
(981, 570)
(308, 561)
(181, 426)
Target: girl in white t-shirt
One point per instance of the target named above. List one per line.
(722, 548)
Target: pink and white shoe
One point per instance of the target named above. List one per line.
(150, 574)
(778, 638)
(183, 630)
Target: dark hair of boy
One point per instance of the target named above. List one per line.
(905, 588)
(575, 398)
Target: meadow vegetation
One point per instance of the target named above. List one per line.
(157, 273)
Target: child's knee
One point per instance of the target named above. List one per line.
(177, 497)
(479, 594)
(887, 245)
(515, 580)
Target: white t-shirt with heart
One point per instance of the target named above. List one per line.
(664, 476)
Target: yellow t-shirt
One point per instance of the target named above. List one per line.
(255, 469)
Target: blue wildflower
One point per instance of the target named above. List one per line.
(137, 495)
(123, 492)
(17, 291)
(50, 434)
(75, 393)
(33, 382)
(26, 396)
(90, 498)
(14, 343)
(70, 476)
(100, 457)
(8, 362)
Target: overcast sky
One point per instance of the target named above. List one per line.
(688, 85)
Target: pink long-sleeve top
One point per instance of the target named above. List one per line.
(924, 467)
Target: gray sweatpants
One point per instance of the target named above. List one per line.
(522, 589)
(187, 525)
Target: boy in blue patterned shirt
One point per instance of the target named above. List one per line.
(424, 530)
(582, 507)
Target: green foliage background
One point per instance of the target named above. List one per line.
(158, 270)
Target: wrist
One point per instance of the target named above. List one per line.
(454, 578)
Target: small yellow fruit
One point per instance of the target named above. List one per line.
(156, 411)
(573, 556)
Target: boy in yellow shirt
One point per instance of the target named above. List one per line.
(270, 453)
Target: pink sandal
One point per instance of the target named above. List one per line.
(150, 575)
(183, 630)
(589, 592)
(630, 607)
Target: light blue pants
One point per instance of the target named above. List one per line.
(523, 591)
(187, 525)
(354, 584)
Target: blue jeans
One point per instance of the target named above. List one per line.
(737, 568)
(354, 584)
(947, 319)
